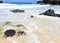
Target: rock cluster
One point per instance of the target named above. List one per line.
(19, 30)
(11, 33)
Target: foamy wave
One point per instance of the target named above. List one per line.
(7, 5)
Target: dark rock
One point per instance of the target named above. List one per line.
(55, 2)
(50, 12)
(21, 33)
(19, 25)
(1, 1)
(45, 1)
(57, 15)
(52, 2)
(31, 16)
(7, 23)
(17, 11)
(9, 33)
(39, 2)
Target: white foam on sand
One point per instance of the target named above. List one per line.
(7, 5)
(13, 41)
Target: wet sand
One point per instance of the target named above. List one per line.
(39, 30)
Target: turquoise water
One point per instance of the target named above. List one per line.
(21, 3)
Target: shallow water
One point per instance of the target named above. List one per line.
(6, 13)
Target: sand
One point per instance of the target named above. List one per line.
(39, 29)
(44, 30)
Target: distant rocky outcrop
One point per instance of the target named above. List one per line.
(17, 11)
(1, 1)
(50, 12)
(39, 2)
(52, 2)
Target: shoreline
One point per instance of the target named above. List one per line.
(7, 5)
(39, 29)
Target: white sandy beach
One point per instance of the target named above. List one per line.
(39, 29)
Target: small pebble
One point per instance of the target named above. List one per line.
(31, 16)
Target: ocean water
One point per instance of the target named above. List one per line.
(6, 14)
(22, 2)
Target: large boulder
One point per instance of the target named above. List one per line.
(50, 12)
(52, 2)
(9, 33)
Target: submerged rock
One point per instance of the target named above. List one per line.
(19, 25)
(50, 12)
(9, 33)
(7, 23)
(17, 11)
